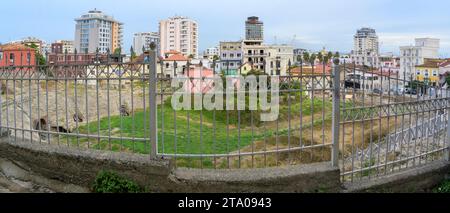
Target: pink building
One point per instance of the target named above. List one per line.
(200, 80)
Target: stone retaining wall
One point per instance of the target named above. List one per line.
(80, 167)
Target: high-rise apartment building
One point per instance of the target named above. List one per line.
(98, 30)
(254, 29)
(366, 48)
(143, 40)
(179, 34)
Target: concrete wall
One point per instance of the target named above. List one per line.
(419, 179)
(63, 169)
(80, 167)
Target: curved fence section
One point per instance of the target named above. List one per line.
(368, 122)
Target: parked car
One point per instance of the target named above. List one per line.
(411, 91)
(377, 91)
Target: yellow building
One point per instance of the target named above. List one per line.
(429, 71)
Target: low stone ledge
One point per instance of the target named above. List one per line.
(417, 179)
(318, 177)
(80, 167)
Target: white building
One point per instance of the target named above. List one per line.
(279, 57)
(366, 48)
(143, 40)
(179, 34)
(211, 52)
(389, 63)
(411, 56)
(98, 30)
(173, 64)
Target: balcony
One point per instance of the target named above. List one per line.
(255, 54)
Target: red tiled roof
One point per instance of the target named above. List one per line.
(445, 63)
(10, 47)
(309, 70)
(172, 52)
(379, 73)
(176, 57)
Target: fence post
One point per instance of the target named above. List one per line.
(336, 113)
(447, 153)
(153, 105)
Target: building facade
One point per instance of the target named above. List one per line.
(428, 72)
(62, 46)
(173, 63)
(279, 60)
(298, 55)
(142, 41)
(254, 29)
(211, 53)
(231, 55)
(255, 53)
(17, 55)
(366, 47)
(179, 34)
(412, 56)
(96, 30)
(389, 63)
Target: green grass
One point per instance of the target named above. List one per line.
(205, 132)
(444, 187)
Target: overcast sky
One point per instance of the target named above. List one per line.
(315, 24)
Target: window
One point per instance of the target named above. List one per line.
(11, 58)
(1, 56)
(435, 73)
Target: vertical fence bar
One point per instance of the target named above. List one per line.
(447, 153)
(153, 105)
(336, 113)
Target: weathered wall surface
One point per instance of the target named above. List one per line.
(80, 167)
(415, 180)
(319, 177)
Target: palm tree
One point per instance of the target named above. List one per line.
(320, 57)
(336, 55)
(312, 58)
(329, 56)
(306, 57)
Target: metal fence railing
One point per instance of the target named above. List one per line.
(359, 118)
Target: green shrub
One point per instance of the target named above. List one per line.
(443, 188)
(109, 182)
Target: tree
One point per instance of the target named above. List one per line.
(306, 56)
(320, 57)
(299, 58)
(447, 79)
(329, 55)
(191, 56)
(312, 58)
(39, 57)
(337, 55)
(216, 58)
(118, 51)
(133, 54)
